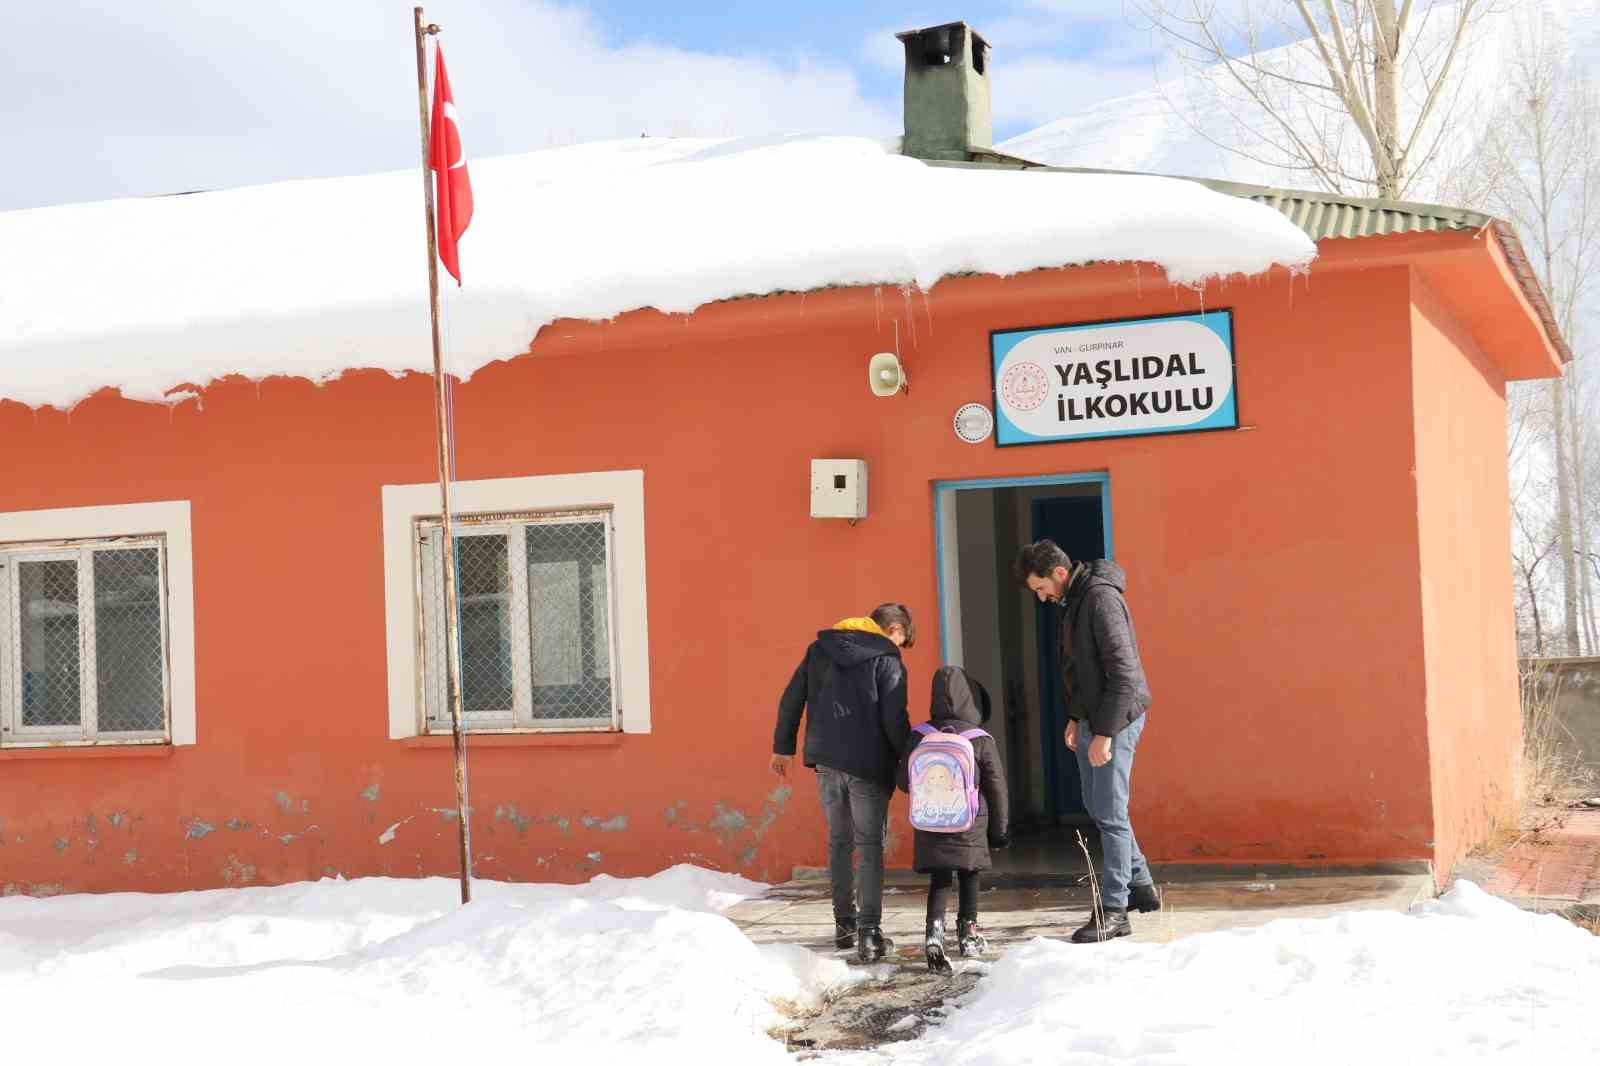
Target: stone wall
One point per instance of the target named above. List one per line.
(1577, 694)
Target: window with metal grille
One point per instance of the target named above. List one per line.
(538, 650)
(83, 642)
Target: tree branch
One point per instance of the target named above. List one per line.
(1444, 75)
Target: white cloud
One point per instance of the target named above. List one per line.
(1029, 26)
(106, 100)
(1038, 90)
(881, 50)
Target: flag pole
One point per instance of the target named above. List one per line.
(452, 633)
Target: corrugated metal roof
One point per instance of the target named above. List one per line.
(1330, 216)
(1326, 215)
(1321, 215)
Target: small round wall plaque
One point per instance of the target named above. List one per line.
(974, 423)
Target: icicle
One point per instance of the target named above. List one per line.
(911, 314)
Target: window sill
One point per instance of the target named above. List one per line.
(519, 740)
(88, 751)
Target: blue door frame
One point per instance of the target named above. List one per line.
(1057, 782)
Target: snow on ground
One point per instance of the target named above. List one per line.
(647, 971)
(1469, 979)
(312, 278)
(395, 971)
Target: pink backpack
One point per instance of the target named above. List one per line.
(943, 773)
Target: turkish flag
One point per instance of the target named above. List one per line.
(453, 190)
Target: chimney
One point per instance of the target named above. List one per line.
(946, 93)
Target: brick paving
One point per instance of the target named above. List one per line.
(1559, 864)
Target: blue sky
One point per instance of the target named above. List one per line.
(862, 34)
(113, 100)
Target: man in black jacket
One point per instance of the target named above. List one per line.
(1106, 699)
(852, 686)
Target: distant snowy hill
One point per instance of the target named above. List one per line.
(1181, 126)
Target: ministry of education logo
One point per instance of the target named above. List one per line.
(1025, 386)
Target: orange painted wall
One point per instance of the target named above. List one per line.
(1274, 580)
(1464, 519)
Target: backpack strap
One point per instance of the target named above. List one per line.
(973, 734)
(925, 729)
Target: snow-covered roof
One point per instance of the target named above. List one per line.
(313, 278)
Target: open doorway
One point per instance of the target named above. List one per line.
(1003, 637)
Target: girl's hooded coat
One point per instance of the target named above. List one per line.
(960, 703)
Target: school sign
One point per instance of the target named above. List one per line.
(1134, 377)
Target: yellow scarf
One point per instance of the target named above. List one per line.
(862, 625)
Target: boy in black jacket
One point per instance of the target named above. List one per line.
(851, 687)
(959, 704)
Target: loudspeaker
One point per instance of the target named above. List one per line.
(885, 375)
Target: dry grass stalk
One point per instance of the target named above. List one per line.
(1097, 915)
(1550, 779)
(1167, 929)
(1550, 774)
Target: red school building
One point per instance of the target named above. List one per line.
(219, 641)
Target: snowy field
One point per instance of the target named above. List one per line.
(647, 971)
(1468, 979)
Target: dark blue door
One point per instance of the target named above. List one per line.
(1076, 523)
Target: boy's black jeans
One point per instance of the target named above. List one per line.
(939, 895)
(858, 819)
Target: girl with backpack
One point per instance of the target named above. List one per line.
(959, 807)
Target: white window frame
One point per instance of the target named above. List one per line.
(76, 533)
(406, 508)
(518, 717)
(87, 729)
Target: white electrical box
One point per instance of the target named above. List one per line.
(838, 488)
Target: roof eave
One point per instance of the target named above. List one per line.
(1517, 262)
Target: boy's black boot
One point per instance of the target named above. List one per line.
(973, 944)
(871, 944)
(933, 947)
(844, 933)
(1144, 898)
(1108, 924)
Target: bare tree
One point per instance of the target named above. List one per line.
(1527, 435)
(1363, 97)
(1579, 424)
(1586, 472)
(1528, 555)
(1360, 101)
(1543, 156)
